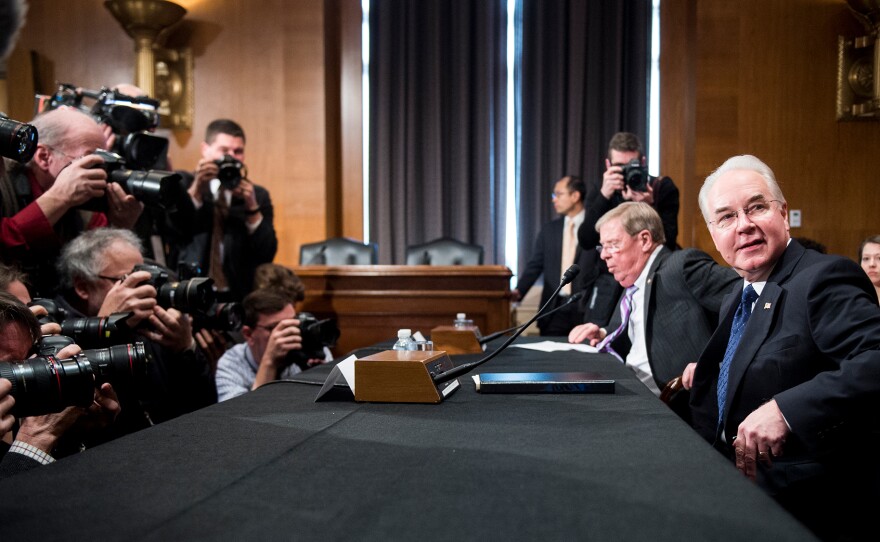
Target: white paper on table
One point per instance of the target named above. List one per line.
(553, 346)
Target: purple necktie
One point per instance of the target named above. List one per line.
(740, 319)
(626, 306)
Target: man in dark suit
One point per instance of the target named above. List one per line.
(670, 307)
(556, 248)
(233, 231)
(800, 357)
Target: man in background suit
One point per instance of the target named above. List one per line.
(233, 231)
(799, 410)
(556, 249)
(670, 307)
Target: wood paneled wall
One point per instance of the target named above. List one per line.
(758, 77)
(754, 76)
(287, 70)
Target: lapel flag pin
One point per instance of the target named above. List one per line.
(766, 306)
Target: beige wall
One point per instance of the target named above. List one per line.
(759, 77)
(276, 67)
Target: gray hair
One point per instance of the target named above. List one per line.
(745, 162)
(635, 217)
(84, 257)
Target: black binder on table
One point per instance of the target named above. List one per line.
(576, 382)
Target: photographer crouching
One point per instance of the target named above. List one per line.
(36, 437)
(110, 297)
(278, 344)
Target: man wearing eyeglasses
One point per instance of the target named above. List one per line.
(39, 201)
(670, 304)
(556, 249)
(97, 280)
(794, 366)
(271, 331)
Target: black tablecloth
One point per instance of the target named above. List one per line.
(274, 464)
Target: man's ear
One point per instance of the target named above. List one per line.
(42, 157)
(82, 289)
(247, 332)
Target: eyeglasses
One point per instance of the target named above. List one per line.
(269, 327)
(113, 279)
(754, 211)
(610, 248)
(554, 195)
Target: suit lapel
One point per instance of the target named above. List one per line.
(761, 320)
(649, 288)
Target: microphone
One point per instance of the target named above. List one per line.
(577, 296)
(318, 258)
(426, 258)
(567, 277)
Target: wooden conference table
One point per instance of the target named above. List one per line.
(371, 302)
(275, 465)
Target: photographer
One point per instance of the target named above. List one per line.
(37, 436)
(97, 279)
(626, 157)
(273, 341)
(233, 231)
(38, 211)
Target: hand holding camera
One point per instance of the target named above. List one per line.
(206, 171)
(629, 179)
(132, 294)
(285, 337)
(170, 328)
(77, 183)
(6, 403)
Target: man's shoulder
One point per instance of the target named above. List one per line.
(234, 357)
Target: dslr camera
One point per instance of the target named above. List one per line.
(18, 141)
(220, 316)
(157, 188)
(130, 117)
(190, 295)
(316, 334)
(232, 171)
(46, 384)
(635, 175)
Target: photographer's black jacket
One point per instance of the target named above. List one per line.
(665, 203)
(242, 251)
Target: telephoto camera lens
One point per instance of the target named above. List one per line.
(18, 141)
(193, 295)
(98, 332)
(221, 317)
(47, 384)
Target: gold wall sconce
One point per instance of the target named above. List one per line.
(858, 66)
(162, 73)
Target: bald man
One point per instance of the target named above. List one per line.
(39, 200)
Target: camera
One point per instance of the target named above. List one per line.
(18, 141)
(158, 188)
(99, 331)
(316, 334)
(191, 295)
(220, 317)
(130, 118)
(55, 312)
(231, 171)
(46, 384)
(635, 175)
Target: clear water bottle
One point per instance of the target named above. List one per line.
(462, 322)
(404, 340)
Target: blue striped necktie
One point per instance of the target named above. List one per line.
(740, 319)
